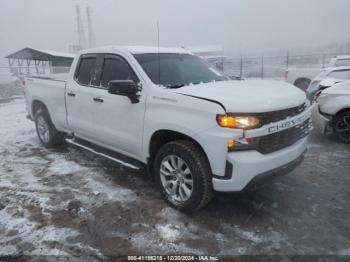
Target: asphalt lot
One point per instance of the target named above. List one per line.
(70, 202)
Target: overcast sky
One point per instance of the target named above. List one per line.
(240, 26)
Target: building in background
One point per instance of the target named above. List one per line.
(37, 61)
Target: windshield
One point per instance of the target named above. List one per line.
(340, 74)
(177, 70)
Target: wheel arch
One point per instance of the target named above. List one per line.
(343, 110)
(36, 105)
(164, 136)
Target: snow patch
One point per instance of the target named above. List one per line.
(61, 166)
(248, 235)
(168, 232)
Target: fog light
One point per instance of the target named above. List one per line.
(230, 144)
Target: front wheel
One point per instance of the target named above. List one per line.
(47, 133)
(342, 127)
(183, 175)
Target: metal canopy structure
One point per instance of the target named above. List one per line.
(30, 58)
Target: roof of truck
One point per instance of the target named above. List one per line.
(139, 49)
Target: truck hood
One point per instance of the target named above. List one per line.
(247, 96)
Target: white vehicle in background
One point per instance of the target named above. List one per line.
(331, 113)
(302, 77)
(326, 79)
(340, 61)
(196, 130)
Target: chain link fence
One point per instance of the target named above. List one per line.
(274, 67)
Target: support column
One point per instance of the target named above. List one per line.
(28, 66)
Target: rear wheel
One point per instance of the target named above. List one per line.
(342, 127)
(183, 175)
(47, 133)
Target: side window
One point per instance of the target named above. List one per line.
(87, 69)
(115, 69)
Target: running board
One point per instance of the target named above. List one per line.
(106, 153)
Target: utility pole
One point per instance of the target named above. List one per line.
(91, 35)
(80, 29)
(262, 67)
(241, 68)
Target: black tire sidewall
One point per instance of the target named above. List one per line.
(55, 139)
(336, 120)
(198, 169)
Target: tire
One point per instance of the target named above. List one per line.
(303, 83)
(341, 127)
(195, 166)
(46, 131)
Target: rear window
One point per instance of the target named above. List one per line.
(86, 72)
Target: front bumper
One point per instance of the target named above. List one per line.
(244, 166)
(279, 171)
(320, 121)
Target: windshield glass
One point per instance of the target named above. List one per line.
(341, 74)
(177, 70)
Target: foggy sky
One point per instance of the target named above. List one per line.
(240, 26)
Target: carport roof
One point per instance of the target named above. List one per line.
(38, 54)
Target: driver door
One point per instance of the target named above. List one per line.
(118, 122)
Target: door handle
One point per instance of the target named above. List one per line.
(98, 99)
(71, 94)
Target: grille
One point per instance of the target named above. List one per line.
(277, 141)
(275, 116)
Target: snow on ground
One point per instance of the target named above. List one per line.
(7, 78)
(70, 202)
(23, 166)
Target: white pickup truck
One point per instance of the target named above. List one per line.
(196, 130)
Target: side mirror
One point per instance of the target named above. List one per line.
(127, 88)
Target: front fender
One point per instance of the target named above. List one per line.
(192, 117)
(333, 104)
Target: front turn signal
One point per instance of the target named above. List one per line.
(231, 144)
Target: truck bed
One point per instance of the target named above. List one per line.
(51, 89)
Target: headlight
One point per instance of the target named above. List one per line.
(236, 121)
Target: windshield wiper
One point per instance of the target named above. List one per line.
(174, 86)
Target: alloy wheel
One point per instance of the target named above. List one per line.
(176, 178)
